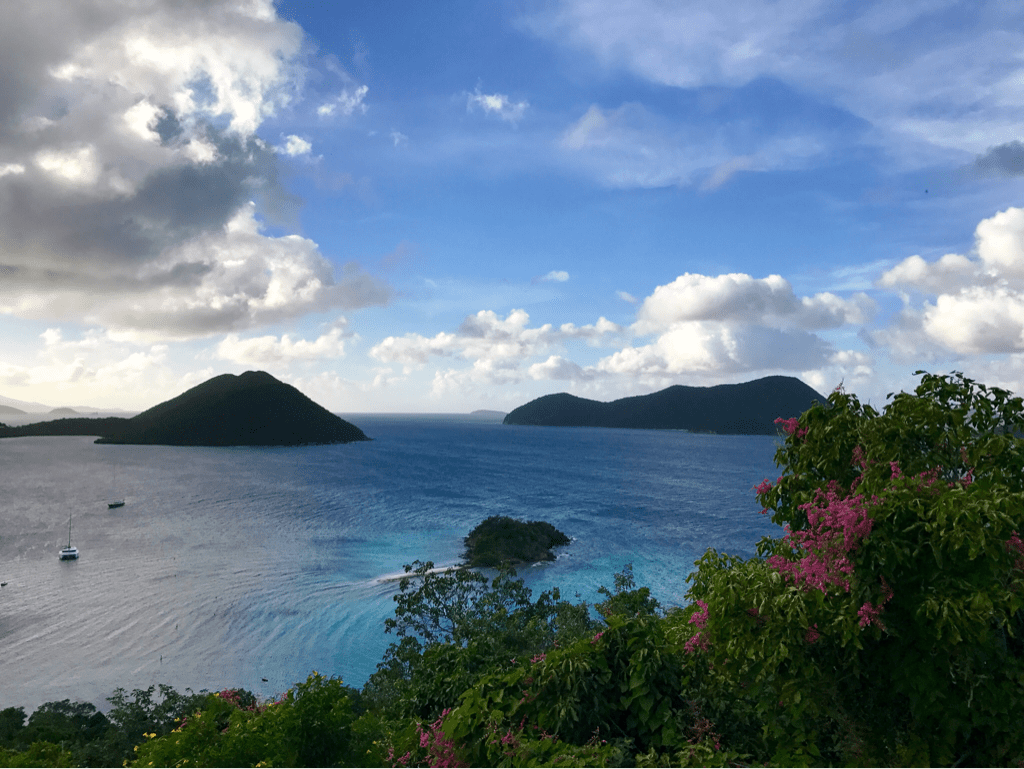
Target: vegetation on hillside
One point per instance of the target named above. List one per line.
(884, 627)
(748, 408)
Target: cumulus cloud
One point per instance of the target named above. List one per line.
(497, 104)
(88, 369)
(497, 346)
(295, 145)
(703, 327)
(740, 298)
(227, 279)
(882, 62)
(127, 135)
(978, 305)
(272, 350)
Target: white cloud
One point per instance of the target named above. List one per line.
(498, 347)
(346, 102)
(295, 145)
(77, 166)
(978, 305)
(704, 327)
(949, 273)
(91, 369)
(631, 146)
(625, 296)
(740, 298)
(889, 64)
(555, 276)
(272, 350)
(725, 171)
(136, 122)
(231, 279)
(497, 104)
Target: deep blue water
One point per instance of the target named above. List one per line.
(227, 566)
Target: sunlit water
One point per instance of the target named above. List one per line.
(229, 566)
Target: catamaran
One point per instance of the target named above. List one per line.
(69, 553)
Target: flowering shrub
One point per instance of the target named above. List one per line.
(892, 604)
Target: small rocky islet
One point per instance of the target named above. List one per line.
(501, 539)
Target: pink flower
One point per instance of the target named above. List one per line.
(869, 613)
(596, 638)
(764, 487)
(1015, 545)
(836, 527)
(858, 458)
(812, 634)
(539, 658)
(791, 426)
(699, 640)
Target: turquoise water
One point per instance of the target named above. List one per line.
(228, 566)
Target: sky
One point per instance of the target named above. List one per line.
(412, 207)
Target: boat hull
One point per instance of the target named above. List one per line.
(68, 554)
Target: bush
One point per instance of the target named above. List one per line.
(309, 726)
(885, 625)
(454, 627)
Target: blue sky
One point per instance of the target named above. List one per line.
(408, 207)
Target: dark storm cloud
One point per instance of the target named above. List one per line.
(128, 160)
(1007, 159)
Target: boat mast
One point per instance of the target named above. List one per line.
(69, 531)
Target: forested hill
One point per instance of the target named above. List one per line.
(251, 409)
(750, 408)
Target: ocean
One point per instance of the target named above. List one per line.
(228, 566)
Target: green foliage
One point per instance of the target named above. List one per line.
(907, 647)
(309, 726)
(140, 713)
(456, 625)
(12, 723)
(501, 539)
(885, 627)
(627, 685)
(627, 600)
(39, 754)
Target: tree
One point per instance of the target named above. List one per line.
(885, 625)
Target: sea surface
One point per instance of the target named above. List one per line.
(253, 567)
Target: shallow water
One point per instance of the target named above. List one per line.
(227, 566)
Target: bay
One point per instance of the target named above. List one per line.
(229, 566)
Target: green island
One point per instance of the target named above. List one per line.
(884, 627)
(501, 539)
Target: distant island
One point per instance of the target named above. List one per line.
(487, 413)
(750, 408)
(251, 409)
(64, 411)
(500, 538)
(10, 410)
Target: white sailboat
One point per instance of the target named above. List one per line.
(69, 553)
(115, 502)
